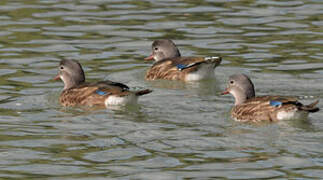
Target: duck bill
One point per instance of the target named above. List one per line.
(57, 77)
(149, 58)
(225, 92)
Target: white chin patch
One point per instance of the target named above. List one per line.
(121, 101)
(205, 71)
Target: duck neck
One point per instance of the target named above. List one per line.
(241, 97)
(70, 83)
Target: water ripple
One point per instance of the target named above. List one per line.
(181, 130)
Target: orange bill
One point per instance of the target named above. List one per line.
(149, 58)
(57, 77)
(225, 92)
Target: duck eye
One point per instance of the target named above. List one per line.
(231, 82)
(156, 48)
(61, 67)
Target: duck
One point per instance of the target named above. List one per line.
(170, 65)
(249, 108)
(77, 92)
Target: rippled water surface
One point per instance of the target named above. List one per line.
(180, 131)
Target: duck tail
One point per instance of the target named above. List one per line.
(311, 107)
(143, 92)
(215, 60)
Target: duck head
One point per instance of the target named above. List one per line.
(71, 73)
(240, 87)
(163, 49)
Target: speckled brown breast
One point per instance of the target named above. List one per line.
(82, 96)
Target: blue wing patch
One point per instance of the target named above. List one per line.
(180, 66)
(275, 103)
(102, 93)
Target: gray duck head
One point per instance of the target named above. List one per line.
(241, 88)
(71, 73)
(163, 49)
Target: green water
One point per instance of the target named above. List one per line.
(180, 131)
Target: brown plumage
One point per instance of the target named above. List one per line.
(78, 92)
(259, 108)
(248, 107)
(171, 66)
(167, 69)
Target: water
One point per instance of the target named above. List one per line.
(180, 131)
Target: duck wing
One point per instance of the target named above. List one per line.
(265, 108)
(109, 84)
(177, 68)
(90, 94)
